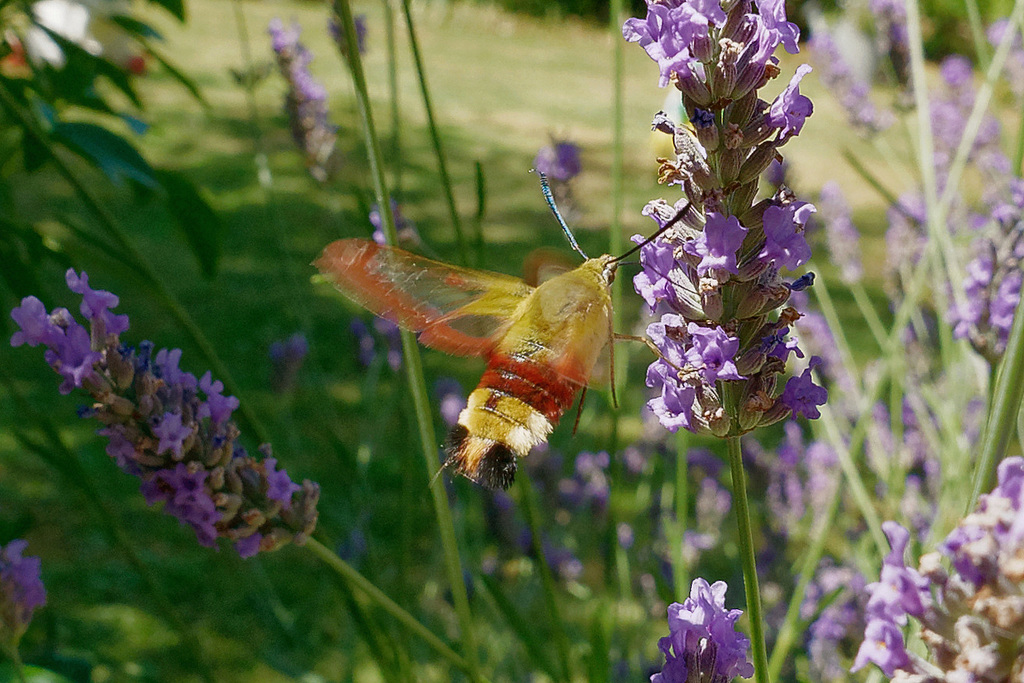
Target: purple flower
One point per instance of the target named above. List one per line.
(790, 109)
(338, 35)
(96, 303)
(702, 643)
(305, 102)
(773, 14)
(286, 358)
(74, 358)
(21, 591)
(280, 487)
(670, 32)
(802, 395)
(882, 646)
(450, 398)
(184, 494)
(674, 407)
(248, 546)
(404, 227)
(183, 449)
(841, 234)
(559, 161)
(785, 243)
(172, 434)
(852, 92)
(657, 261)
(718, 243)
(712, 351)
(36, 326)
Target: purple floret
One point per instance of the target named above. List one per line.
(802, 395)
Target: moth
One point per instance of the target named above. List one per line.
(541, 343)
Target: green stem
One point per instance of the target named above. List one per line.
(789, 632)
(681, 501)
(749, 562)
(435, 136)
(868, 312)
(397, 166)
(414, 363)
(368, 588)
(974, 20)
(529, 502)
(1006, 402)
(857, 488)
(142, 267)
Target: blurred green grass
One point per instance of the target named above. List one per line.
(501, 85)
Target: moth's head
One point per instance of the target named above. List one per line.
(609, 264)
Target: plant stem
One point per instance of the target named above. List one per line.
(746, 540)
(787, 635)
(435, 137)
(1006, 402)
(368, 588)
(413, 363)
(529, 502)
(681, 502)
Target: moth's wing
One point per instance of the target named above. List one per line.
(545, 263)
(456, 310)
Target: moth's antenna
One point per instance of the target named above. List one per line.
(671, 222)
(546, 189)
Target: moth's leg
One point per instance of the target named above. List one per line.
(579, 411)
(611, 362)
(654, 349)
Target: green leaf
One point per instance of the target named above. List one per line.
(200, 224)
(175, 7)
(137, 28)
(82, 67)
(108, 151)
(529, 635)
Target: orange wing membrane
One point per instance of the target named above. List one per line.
(541, 343)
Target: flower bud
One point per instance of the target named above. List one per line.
(741, 197)
(693, 89)
(730, 161)
(755, 402)
(707, 130)
(718, 421)
(711, 300)
(741, 110)
(757, 162)
(750, 361)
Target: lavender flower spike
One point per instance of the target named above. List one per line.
(715, 275)
(169, 429)
(970, 616)
(21, 592)
(305, 102)
(702, 644)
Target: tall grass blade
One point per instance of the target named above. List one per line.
(528, 634)
(435, 136)
(1006, 404)
(528, 500)
(413, 361)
